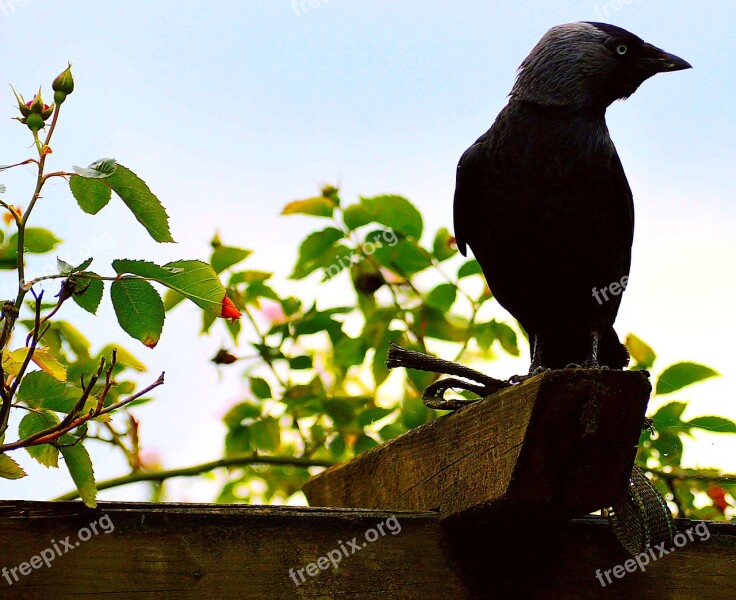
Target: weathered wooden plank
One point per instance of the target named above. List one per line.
(216, 552)
(212, 552)
(562, 443)
(569, 561)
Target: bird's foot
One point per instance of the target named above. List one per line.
(587, 365)
(515, 379)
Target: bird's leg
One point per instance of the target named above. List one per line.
(592, 361)
(535, 368)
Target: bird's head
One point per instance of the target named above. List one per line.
(589, 65)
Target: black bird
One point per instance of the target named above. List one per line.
(542, 199)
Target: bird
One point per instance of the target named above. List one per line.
(542, 199)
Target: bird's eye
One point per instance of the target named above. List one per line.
(622, 49)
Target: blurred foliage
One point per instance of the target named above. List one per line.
(316, 383)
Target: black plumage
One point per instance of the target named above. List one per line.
(542, 199)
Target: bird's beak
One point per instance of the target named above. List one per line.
(659, 61)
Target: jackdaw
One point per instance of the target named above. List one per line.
(542, 199)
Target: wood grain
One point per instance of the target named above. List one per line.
(562, 443)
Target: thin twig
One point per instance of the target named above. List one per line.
(194, 471)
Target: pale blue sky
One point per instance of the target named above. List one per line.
(231, 109)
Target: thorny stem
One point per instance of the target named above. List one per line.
(10, 316)
(74, 420)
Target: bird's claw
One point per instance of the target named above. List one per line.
(516, 379)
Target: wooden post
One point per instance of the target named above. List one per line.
(561, 444)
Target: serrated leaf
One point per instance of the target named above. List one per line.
(146, 207)
(83, 266)
(139, 309)
(319, 206)
(9, 469)
(79, 464)
(91, 194)
(33, 423)
(91, 296)
(100, 169)
(680, 375)
(193, 279)
(64, 268)
(38, 387)
(224, 257)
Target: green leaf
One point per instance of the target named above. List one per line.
(9, 469)
(122, 357)
(38, 387)
(249, 277)
(237, 441)
(669, 416)
(100, 169)
(469, 268)
(193, 279)
(395, 212)
(373, 414)
(413, 412)
(442, 297)
(36, 241)
(172, 299)
(316, 251)
(364, 442)
(319, 206)
(80, 468)
(33, 423)
(444, 246)
(436, 324)
(680, 375)
(713, 423)
(266, 434)
(225, 257)
(349, 352)
(260, 388)
(300, 363)
(91, 296)
(340, 410)
(143, 204)
(405, 257)
(640, 351)
(669, 446)
(507, 337)
(241, 412)
(139, 309)
(91, 194)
